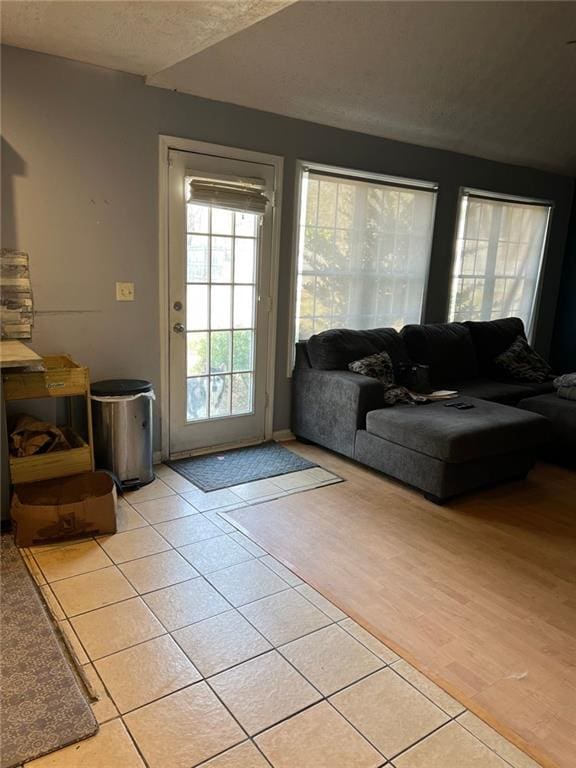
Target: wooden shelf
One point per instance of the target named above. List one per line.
(61, 377)
(45, 466)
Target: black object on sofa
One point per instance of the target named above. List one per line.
(440, 450)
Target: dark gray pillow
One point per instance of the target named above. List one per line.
(378, 366)
(446, 348)
(491, 338)
(522, 363)
(337, 348)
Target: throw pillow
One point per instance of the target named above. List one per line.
(522, 363)
(378, 366)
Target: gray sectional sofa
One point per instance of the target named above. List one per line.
(441, 451)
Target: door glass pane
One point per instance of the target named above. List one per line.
(220, 307)
(243, 351)
(221, 260)
(197, 307)
(197, 398)
(220, 351)
(244, 261)
(222, 221)
(246, 225)
(243, 306)
(219, 396)
(198, 217)
(197, 353)
(242, 393)
(197, 258)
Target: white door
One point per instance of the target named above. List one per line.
(220, 308)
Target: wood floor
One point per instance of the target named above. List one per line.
(480, 594)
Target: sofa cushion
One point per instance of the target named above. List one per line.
(456, 436)
(337, 348)
(521, 363)
(506, 392)
(491, 338)
(446, 347)
(560, 412)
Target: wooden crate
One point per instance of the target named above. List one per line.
(62, 378)
(43, 466)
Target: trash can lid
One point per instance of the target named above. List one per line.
(119, 387)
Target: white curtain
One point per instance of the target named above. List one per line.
(499, 251)
(364, 253)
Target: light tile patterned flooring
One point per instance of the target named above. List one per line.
(203, 650)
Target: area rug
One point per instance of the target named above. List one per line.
(43, 706)
(241, 465)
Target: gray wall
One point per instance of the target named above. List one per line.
(79, 182)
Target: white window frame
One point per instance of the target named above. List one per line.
(505, 198)
(302, 166)
(165, 144)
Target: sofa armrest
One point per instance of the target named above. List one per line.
(328, 407)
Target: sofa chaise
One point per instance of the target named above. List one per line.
(441, 451)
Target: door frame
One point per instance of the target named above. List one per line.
(165, 144)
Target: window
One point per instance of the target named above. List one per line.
(364, 250)
(499, 250)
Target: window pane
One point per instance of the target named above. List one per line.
(220, 351)
(220, 307)
(198, 217)
(242, 393)
(221, 266)
(244, 261)
(197, 353)
(497, 260)
(197, 259)
(197, 307)
(219, 396)
(243, 306)
(243, 351)
(197, 398)
(364, 254)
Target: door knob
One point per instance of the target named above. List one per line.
(178, 328)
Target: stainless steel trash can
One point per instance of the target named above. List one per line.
(122, 426)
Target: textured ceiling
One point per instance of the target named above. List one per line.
(491, 79)
(142, 36)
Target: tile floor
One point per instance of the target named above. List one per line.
(203, 650)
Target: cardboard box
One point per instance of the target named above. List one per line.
(64, 508)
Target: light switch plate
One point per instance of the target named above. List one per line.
(124, 291)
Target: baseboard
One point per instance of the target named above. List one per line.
(282, 435)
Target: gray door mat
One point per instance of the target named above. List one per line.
(240, 465)
(43, 705)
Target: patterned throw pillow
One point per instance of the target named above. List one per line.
(378, 366)
(522, 363)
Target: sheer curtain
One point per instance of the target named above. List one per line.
(499, 251)
(364, 252)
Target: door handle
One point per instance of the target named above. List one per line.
(178, 328)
